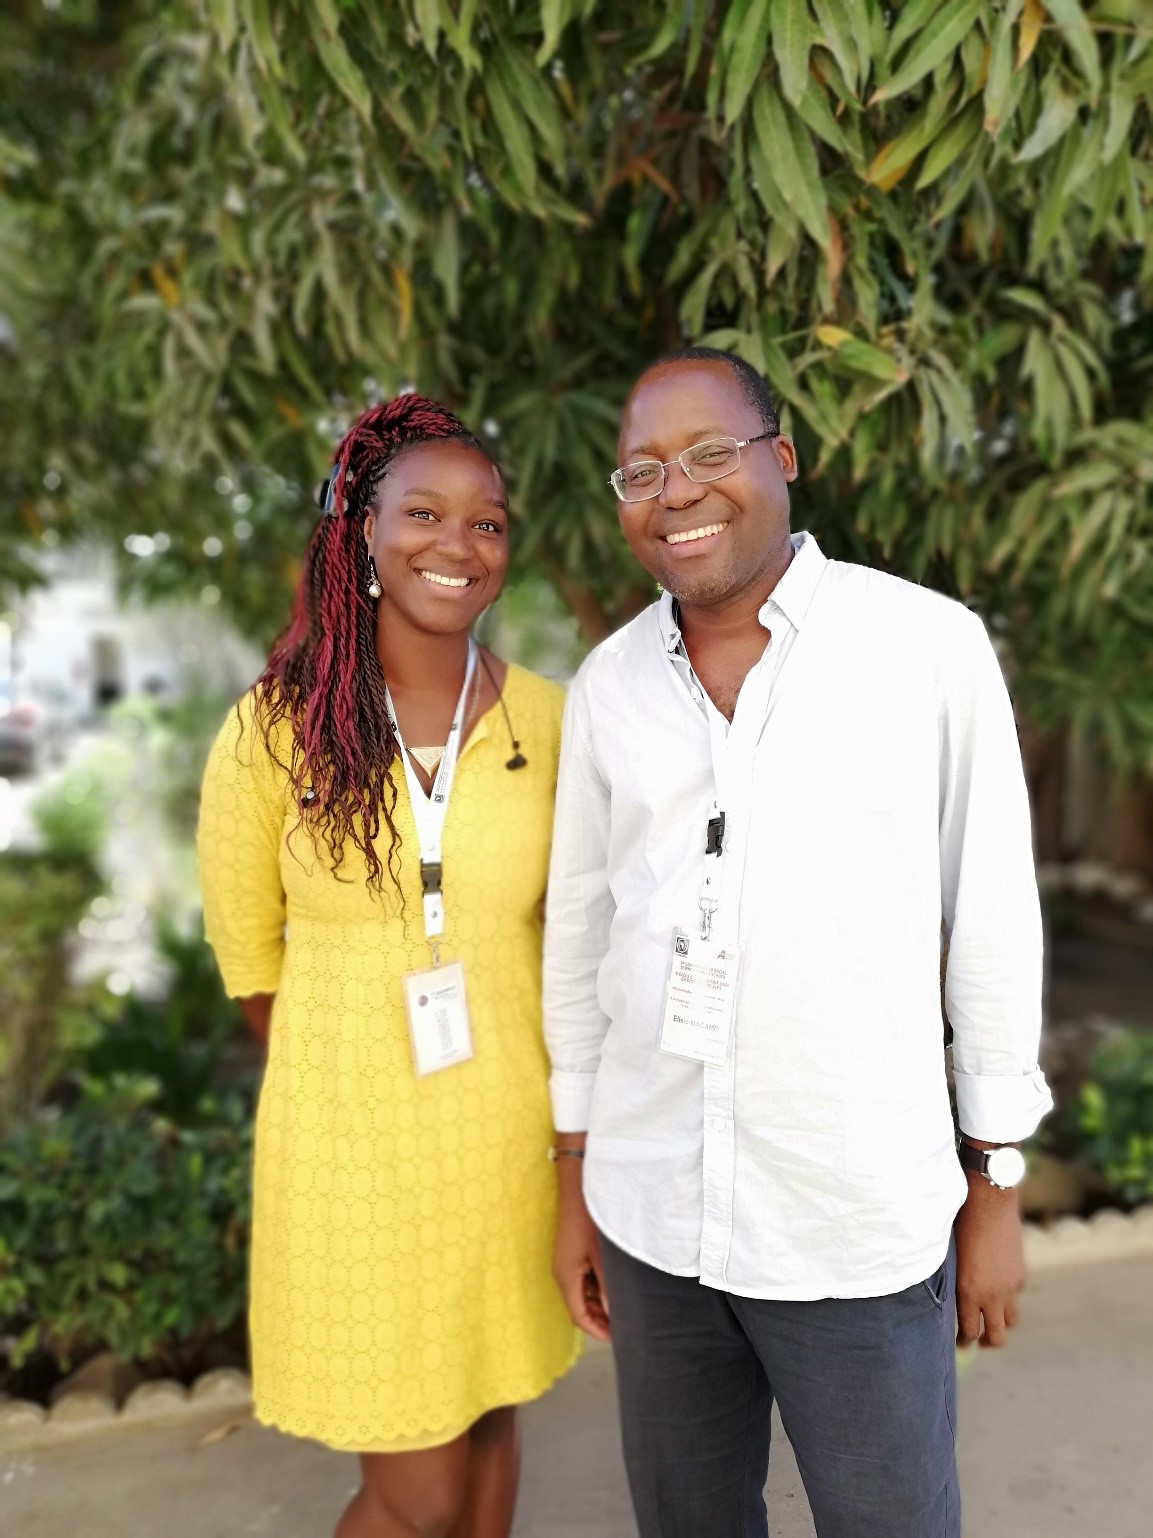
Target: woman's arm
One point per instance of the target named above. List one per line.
(242, 811)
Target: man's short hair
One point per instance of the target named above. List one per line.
(753, 385)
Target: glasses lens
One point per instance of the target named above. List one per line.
(709, 461)
(636, 482)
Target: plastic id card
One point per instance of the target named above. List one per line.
(699, 1001)
(437, 1018)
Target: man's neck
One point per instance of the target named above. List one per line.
(413, 660)
(736, 619)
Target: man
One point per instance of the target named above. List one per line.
(778, 787)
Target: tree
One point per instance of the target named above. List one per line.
(927, 225)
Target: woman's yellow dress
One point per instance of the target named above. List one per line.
(402, 1228)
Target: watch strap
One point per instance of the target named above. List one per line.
(975, 1159)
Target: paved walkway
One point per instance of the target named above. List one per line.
(1055, 1443)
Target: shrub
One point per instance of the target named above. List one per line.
(72, 818)
(119, 1230)
(1115, 1115)
(44, 1019)
(178, 1041)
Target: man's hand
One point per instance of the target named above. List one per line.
(990, 1263)
(577, 1256)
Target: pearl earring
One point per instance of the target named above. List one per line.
(374, 587)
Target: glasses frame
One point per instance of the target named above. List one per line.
(666, 465)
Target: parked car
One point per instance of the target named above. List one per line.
(33, 730)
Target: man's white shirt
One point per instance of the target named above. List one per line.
(874, 803)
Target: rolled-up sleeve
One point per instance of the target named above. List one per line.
(579, 915)
(989, 901)
(242, 803)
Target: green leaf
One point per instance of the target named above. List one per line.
(963, 183)
(514, 132)
(264, 46)
(863, 358)
(701, 11)
(428, 22)
(446, 259)
(949, 29)
(893, 159)
(1077, 36)
(223, 13)
(837, 36)
(911, 18)
(525, 86)
(814, 109)
(667, 34)
(951, 143)
(786, 145)
(1057, 115)
(745, 56)
(1122, 106)
(792, 39)
(554, 15)
(336, 58)
(999, 82)
(1029, 299)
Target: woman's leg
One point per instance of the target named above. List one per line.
(410, 1495)
(493, 1472)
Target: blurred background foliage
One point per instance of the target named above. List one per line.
(227, 224)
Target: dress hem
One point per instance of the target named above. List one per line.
(420, 1441)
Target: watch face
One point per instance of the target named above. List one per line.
(1006, 1166)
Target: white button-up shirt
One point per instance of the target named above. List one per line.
(874, 800)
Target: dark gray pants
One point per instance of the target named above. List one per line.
(866, 1389)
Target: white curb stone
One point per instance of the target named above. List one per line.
(226, 1387)
(155, 1400)
(19, 1416)
(1106, 1236)
(82, 1409)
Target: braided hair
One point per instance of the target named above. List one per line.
(323, 674)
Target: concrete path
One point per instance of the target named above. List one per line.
(1056, 1437)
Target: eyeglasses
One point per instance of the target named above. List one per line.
(708, 461)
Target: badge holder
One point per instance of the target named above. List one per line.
(434, 999)
(701, 992)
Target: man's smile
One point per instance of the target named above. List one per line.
(689, 536)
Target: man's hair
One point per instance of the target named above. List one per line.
(753, 386)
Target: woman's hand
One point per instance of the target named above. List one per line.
(257, 1010)
(577, 1256)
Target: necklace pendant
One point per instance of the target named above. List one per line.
(428, 759)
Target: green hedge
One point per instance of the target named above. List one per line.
(1114, 1116)
(120, 1230)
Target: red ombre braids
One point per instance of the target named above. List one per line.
(323, 675)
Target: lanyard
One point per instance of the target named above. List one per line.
(429, 811)
(732, 749)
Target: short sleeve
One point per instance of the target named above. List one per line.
(242, 805)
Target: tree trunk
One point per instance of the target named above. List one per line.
(594, 620)
(1044, 758)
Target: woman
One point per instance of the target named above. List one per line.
(373, 853)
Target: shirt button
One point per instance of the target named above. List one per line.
(718, 1124)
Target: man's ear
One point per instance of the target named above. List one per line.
(786, 453)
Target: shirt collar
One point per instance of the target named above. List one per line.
(792, 595)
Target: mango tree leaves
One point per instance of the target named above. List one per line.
(223, 230)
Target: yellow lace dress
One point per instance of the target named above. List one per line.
(402, 1227)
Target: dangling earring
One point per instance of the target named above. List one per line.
(374, 587)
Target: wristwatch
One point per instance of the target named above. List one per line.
(1001, 1167)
